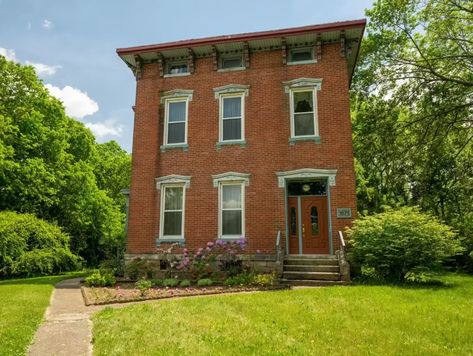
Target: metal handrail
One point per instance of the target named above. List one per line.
(278, 239)
(342, 240)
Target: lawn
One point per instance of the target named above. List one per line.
(22, 306)
(355, 320)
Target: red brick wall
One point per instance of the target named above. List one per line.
(267, 130)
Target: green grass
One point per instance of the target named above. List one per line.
(22, 306)
(355, 320)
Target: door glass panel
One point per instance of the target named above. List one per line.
(314, 220)
(293, 221)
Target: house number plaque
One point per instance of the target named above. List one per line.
(343, 213)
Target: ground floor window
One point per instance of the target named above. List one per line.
(231, 206)
(172, 212)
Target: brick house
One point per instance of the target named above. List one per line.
(244, 135)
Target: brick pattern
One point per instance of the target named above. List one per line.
(267, 130)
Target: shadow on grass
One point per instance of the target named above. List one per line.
(438, 282)
(51, 280)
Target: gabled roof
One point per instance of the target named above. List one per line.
(351, 31)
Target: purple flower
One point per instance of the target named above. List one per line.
(258, 251)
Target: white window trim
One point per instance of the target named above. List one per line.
(220, 209)
(231, 178)
(167, 101)
(315, 112)
(163, 187)
(224, 57)
(222, 97)
(301, 49)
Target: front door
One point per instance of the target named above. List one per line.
(308, 221)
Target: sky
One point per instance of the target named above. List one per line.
(72, 43)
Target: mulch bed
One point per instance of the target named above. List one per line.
(125, 292)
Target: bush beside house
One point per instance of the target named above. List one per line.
(32, 247)
(400, 245)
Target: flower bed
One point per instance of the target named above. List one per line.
(126, 292)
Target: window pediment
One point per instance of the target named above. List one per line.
(173, 179)
(231, 88)
(330, 174)
(302, 83)
(177, 93)
(231, 176)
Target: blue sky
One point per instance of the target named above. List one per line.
(72, 43)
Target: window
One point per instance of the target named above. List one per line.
(231, 210)
(298, 55)
(175, 68)
(175, 131)
(172, 212)
(231, 117)
(229, 62)
(303, 113)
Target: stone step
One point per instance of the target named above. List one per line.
(313, 283)
(311, 268)
(332, 276)
(310, 262)
(312, 257)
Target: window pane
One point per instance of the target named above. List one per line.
(231, 129)
(303, 101)
(314, 220)
(304, 124)
(173, 198)
(297, 56)
(231, 222)
(177, 111)
(293, 221)
(177, 68)
(176, 132)
(231, 196)
(232, 62)
(232, 107)
(172, 223)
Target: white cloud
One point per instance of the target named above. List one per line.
(47, 24)
(77, 103)
(44, 69)
(106, 128)
(9, 54)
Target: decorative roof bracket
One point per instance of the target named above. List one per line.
(284, 50)
(246, 54)
(343, 44)
(190, 60)
(138, 66)
(160, 64)
(318, 47)
(215, 57)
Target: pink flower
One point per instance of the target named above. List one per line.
(258, 251)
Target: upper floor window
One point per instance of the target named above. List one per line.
(301, 55)
(303, 117)
(231, 113)
(231, 117)
(231, 62)
(176, 68)
(176, 108)
(176, 121)
(303, 108)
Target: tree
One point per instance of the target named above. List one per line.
(51, 166)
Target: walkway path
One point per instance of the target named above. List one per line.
(67, 328)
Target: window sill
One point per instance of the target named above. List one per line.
(235, 69)
(241, 143)
(176, 75)
(312, 61)
(182, 146)
(160, 241)
(294, 140)
(229, 239)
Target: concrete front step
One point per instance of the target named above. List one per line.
(312, 257)
(313, 283)
(310, 262)
(332, 276)
(311, 268)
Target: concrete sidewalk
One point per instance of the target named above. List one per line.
(67, 328)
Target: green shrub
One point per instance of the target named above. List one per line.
(138, 268)
(157, 282)
(395, 244)
(204, 282)
(185, 283)
(170, 282)
(30, 246)
(143, 285)
(242, 279)
(100, 279)
(267, 279)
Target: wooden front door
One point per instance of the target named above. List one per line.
(308, 225)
